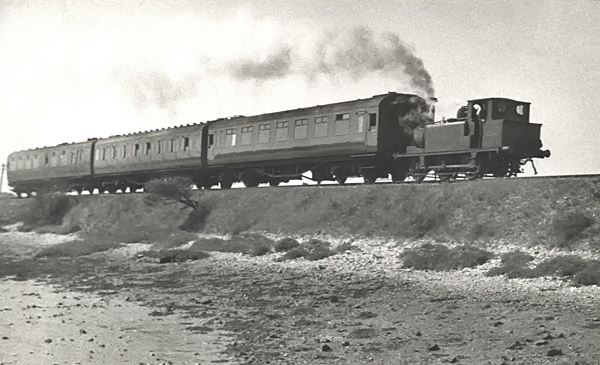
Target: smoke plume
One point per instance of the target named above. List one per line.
(358, 53)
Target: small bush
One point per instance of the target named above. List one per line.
(251, 244)
(293, 254)
(561, 265)
(590, 275)
(346, 246)
(440, 258)
(512, 271)
(514, 265)
(516, 258)
(48, 209)
(319, 253)
(312, 250)
(177, 255)
(78, 248)
(286, 244)
(569, 227)
(261, 249)
(196, 219)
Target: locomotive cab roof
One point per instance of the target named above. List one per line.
(496, 108)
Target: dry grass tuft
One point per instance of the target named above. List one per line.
(441, 258)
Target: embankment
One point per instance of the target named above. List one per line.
(562, 214)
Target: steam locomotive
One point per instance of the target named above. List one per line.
(389, 135)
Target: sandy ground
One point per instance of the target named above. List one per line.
(44, 324)
(359, 307)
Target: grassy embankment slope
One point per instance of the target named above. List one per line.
(561, 214)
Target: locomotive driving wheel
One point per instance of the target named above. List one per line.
(479, 168)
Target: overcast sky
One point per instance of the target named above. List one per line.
(71, 70)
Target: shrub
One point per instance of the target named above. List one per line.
(293, 254)
(319, 253)
(440, 258)
(261, 249)
(48, 209)
(590, 275)
(252, 244)
(177, 255)
(346, 246)
(514, 265)
(512, 271)
(561, 265)
(516, 258)
(568, 227)
(286, 244)
(78, 248)
(196, 219)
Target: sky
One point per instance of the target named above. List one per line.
(72, 70)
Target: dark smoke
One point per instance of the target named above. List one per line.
(358, 53)
(276, 66)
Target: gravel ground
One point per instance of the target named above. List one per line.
(358, 307)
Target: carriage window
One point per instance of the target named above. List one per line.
(97, 155)
(301, 129)
(124, 151)
(372, 121)
(264, 133)
(186, 143)
(321, 126)
(114, 152)
(136, 149)
(148, 147)
(230, 137)
(342, 124)
(246, 135)
(72, 158)
(282, 131)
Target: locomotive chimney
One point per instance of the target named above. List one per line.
(431, 101)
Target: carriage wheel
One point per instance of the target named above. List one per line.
(250, 180)
(341, 179)
(369, 178)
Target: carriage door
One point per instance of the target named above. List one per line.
(370, 124)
